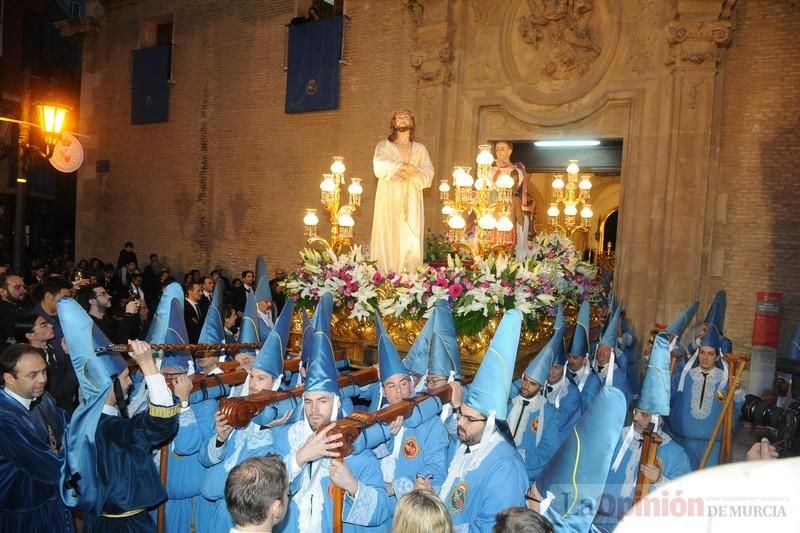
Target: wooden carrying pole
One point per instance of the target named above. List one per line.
(650, 443)
(727, 406)
(233, 375)
(163, 458)
(239, 411)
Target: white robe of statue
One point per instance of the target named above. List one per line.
(399, 220)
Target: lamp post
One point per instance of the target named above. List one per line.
(51, 118)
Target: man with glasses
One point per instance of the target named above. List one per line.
(486, 474)
(98, 302)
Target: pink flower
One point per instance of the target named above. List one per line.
(485, 285)
(377, 278)
(455, 290)
(350, 305)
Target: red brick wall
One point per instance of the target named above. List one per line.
(759, 159)
(228, 177)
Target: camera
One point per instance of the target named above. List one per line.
(779, 417)
(782, 425)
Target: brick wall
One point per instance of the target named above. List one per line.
(228, 177)
(756, 236)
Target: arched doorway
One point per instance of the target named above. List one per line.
(608, 232)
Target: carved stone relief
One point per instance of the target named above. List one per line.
(432, 58)
(556, 50)
(695, 42)
(646, 22)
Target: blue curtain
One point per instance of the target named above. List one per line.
(150, 88)
(312, 83)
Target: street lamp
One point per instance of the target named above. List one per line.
(51, 121)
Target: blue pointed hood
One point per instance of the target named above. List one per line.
(160, 323)
(725, 345)
(490, 389)
(175, 334)
(712, 337)
(321, 374)
(580, 339)
(94, 370)
(609, 337)
(794, 346)
(263, 291)
(539, 368)
(307, 343)
(654, 397)
(575, 476)
(445, 356)
(248, 329)
(389, 363)
(716, 313)
(678, 326)
(270, 356)
(213, 331)
(416, 360)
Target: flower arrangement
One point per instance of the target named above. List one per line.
(553, 274)
(349, 277)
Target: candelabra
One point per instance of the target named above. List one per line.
(488, 199)
(571, 194)
(341, 215)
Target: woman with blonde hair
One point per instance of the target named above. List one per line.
(421, 511)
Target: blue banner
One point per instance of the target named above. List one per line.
(150, 87)
(312, 82)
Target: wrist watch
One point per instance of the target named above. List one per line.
(184, 404)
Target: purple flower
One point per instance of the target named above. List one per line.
(351, 305)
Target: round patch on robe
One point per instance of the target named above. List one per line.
(410, 448)
(458, 497)
(535, 424)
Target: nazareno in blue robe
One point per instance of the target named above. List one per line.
(31, 456)
(483, 483)
(128, 478)
(369, 511)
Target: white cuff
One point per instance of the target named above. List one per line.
(157, 391)
(215, 454)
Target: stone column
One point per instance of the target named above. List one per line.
(432, 58)
(694, 38)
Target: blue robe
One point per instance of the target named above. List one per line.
(695, 411)
(240, 445)
(185, 474)
(618, 381)
(621, 483)
(591, 387)
(569, 407)
(483, 483)
(30, 467)
(369, 511)
(419, 450)
(524, 424)
(124, 452)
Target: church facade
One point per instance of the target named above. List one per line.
(702, 93)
